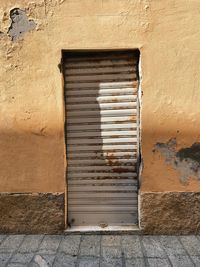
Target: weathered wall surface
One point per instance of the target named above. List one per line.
(32, 213)
(31, 99)
(170, 213)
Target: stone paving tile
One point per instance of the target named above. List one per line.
(4, 257)
(90, 245)
(136, 262)
(30, 243)
(191, 244)
(157, 262)
(42, 260)
(196, 260)
(70, 244)
(23, 258)
(131, 247)
(152, 247)
(63, 260)
(96, 250)
(2, 237)
(111, 252)
(33, 264)
(111, 263)
(11, 243)
(111, 240)
(89, 262)
(49, 259)
(15, 265)
(49, 244)
(172, 245)
(181, 261)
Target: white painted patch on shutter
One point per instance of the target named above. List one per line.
(101, 96)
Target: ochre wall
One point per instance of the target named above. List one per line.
(32, 149)
(32, 157)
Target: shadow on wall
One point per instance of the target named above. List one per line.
(30, 162)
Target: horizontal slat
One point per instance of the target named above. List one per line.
(102, 106)
(105, 187)
(102, 208)
(98, 162)
(101, 148)
(101, 57)
(101, 85)
(103, 154)
(105, 168)
(111, 113)
(100, 77)
(106, 129)
(100, 99)
(101, 92)
(101, 175)
(102, 194)
(100, 65)
(87, 141)
(92, 71)
(104, 201)
(117, 182)
(99, 133)
(103, 218)
(104, 122)
(112, 56)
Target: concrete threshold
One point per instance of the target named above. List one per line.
(109, 230)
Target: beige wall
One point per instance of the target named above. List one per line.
(31, 99)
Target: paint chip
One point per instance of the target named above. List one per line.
(185, 160)
(20, 24)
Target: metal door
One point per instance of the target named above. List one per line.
(101, 96)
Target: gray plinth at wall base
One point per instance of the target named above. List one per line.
(32, 213)
(170, 212)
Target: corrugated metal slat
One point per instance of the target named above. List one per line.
(101, 137)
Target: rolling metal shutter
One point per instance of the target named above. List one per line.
(101, 137)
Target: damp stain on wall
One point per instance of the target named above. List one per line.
(185, 160)
(20, 24)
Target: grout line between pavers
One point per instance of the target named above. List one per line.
(57, 250)
(122, 253)
(187, 253)
(78, 254)
(100, 253)
(36, 251)
(198, 237)
(3, 239)
(14, 250)
(159, 240)
(144, 252)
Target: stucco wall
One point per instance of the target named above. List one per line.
(31, 98)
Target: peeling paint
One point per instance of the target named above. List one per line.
(185, 160)
(20, 24)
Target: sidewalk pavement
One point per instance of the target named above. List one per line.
(99, 250)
